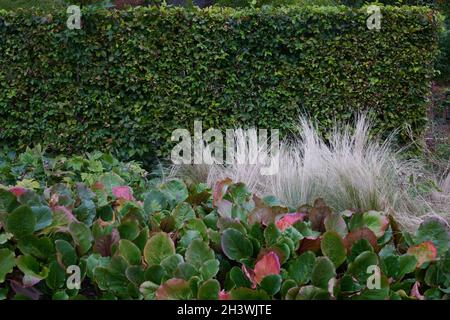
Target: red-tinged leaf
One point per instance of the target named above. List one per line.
(415, 291)
(30, 281)
(103, 244)
(263, 213)
(318, 214)
(17, 191)
(282, 255)
(223, 206)
(123, 193)
(424, 252)
(309, 244)
(98, 186)
(65, 211)
(288, 220)
(30, 292)
(363, 233)
(174, 289)
(250, 274)
(335, 222)
(377, 222)
(220, 189)
(223, 295)
(268, 265)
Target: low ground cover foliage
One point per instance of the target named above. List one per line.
(171, 241)
(35, 169)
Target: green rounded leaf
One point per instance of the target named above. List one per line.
(181, 213)
(376, 221)
(359, 267)
(155, 274)
(359, 247)
(433, 230)
(110, 180)
(407, 264)
(301, 268)
(312, 293)
(154, 201)
(135, 274)
(7, 201)
(82, 236)
(148, 290)
(209, 269)
(41, 248)
(248, 294)
(198, 253)
(43, 215)
(235, 245)
(129, 251)
(209, 290)
(158, 247)
(171, 263)
(322, 272)
(7, 263)
(185, 271)
(65, 253)
(175, 191)
(333, 247)
(56, 276)
(21, 222)
(271, 284)
(238, 278)
(31, 267)
(174, 289)
(335, 222)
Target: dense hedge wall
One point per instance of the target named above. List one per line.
(127, 79)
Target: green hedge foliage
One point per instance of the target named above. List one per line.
(260, 3)
(127, 79)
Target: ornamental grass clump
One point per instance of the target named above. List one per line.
(350, 169)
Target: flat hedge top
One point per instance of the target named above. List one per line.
(228, 12)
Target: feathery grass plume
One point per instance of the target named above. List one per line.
(350, 170)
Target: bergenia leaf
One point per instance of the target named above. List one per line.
(362, 233)
(158, 247)
(174, 289)
(223, 295)
(424, 252)
(17, 191)
(288, 220)
(333, 247)
(123, 193)
(7, 263)
(415, 291)
(376, 221)
(265, 213)
(267, 265)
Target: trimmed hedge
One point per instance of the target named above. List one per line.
(127, 79)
